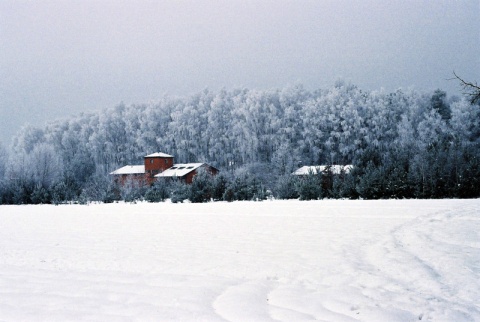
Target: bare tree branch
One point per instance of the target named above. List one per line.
(471, 90)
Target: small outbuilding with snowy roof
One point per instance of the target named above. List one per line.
(323, 169)
(327, 172)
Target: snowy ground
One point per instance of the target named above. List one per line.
(390, 260)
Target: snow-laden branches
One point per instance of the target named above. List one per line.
(470, 89)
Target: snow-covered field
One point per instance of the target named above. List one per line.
(244, 261)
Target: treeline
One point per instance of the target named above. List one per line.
(403, 144)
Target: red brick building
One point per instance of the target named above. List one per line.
(156, 163)
(160, 165)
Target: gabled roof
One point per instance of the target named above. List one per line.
(315, 169)
(130, 169)
(159, 154)
(179, 170)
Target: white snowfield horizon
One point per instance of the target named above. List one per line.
(329, 260)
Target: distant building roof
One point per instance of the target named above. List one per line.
(159, 154)
(179, 170)
(315, 169)
(130, 169)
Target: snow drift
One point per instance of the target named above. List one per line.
(244, 261)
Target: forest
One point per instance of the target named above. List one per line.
(402, 144)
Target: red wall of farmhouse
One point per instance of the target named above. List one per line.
(155, 165)
(189, 176)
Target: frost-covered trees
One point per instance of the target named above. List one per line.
(3, 171)
(310, 187)
(158, 191)
(403, 144)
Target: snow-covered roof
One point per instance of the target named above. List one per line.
(179, 170)
(159, 154)
(335, 169)
(130, 169)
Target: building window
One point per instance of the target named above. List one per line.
(151, 161)
(166, 161)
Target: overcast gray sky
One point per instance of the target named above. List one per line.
(60, 58)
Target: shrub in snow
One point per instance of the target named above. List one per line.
(310, 187)
(158, 192)
(344, 187)
(179, 191)
(132, 190)
(100, 188)
(201, 189)
(245, 187)
(286, 187)
(219, 186)
(40, 195)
